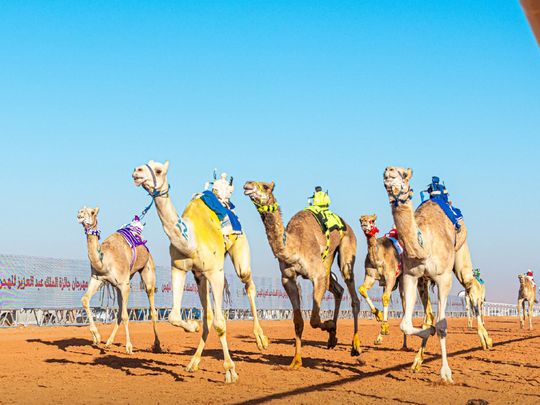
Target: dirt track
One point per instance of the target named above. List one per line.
(58, 365)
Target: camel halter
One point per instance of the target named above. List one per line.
(374, 231)
(266, 208)
(396, 199)
(155, 194)
(93, 232)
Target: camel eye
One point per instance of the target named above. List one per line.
(158, 171)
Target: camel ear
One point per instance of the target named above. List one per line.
(272, 185)
(97, 210)
(408, 173)
(166, 166)
(374, 217)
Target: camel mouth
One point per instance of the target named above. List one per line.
(138, 180)
(248, 190)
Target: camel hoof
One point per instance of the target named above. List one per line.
(156, 348)
(129, 348)
(262, 340)
(385, 329)
(446, 375)
(296, 363)
(96, 338)
(332, 341)
(417, 365)
(355, 350)
(194, 326)
(231, 376)
(193, 365)
(378, 315)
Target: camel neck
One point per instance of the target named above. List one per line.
(275, 232)
(169, 220)
(408, 231)
(94, 251)
(373, 250)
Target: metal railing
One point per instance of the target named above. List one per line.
(78, 317)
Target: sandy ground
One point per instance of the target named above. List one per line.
(59, 365)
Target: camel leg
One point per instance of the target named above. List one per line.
(208, 319)
(337, 291)
(148, 276)
(294, 295)
(385, 327)
(241, 259)
(363, 290)
(123, 309)
(346, 258)
(444, 285)
(93, 287)
(429, 317)
(402, 296)
(178, 278)
(529, 313)
(463, 271)
(521, 312)
(217, 282)
(469, 311)
(410, 284)
(319, 289)
(112, 336)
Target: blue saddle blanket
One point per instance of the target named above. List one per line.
(454, 214)
(221, 211)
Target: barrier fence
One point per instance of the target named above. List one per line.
(47, 292)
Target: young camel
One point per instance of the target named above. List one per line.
(383, 264)
(113, 262)
(198, 245)
(432, 248)
(527, 293)
(468, 307)
(299, 251)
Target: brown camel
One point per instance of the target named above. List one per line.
(383, 264)
(527, 293)
(198, 245)
(114, 262)
(434, 249)
(299, 250)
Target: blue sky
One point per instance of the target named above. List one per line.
(302, 93)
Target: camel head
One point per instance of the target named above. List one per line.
(152, 176)
(397, 184)
(88, 217)
(367, 222)
(260, 193)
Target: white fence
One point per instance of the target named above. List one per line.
(47, 291)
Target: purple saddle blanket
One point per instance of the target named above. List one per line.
(132, 235)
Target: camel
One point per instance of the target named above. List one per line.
(527, 293)
(299, 249)
(432, 248)
(467, 301)
(198, 245)
(115, 262)
(383, 264)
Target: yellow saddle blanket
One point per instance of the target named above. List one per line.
(328, 220)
